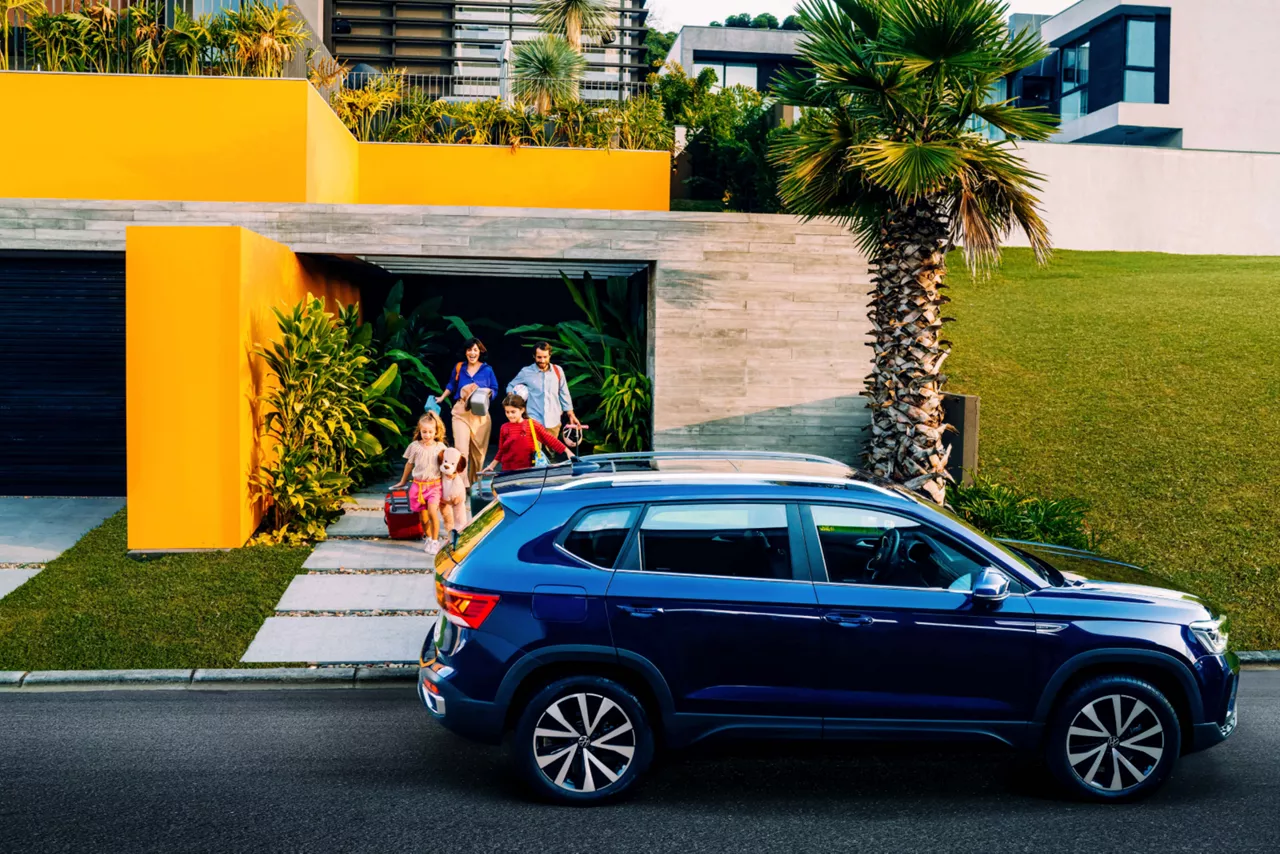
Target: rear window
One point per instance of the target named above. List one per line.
(599, 535)
(480, 527)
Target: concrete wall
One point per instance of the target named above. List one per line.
(745, 40)
(1136, 199)
(1221, 69)
(759, 321)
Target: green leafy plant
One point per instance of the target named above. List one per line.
(1003, 511)
(887, 147)
(546, 71)
(16, 10)
(364, 109)
(319, 409)
(605, 362)
(574, 19)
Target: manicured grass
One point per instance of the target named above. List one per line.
(94, 607)
(1148, 385)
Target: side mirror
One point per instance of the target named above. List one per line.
(991, 588)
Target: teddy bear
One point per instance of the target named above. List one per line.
(454, 486)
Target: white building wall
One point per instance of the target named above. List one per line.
(1222, 90)
(1136, 199)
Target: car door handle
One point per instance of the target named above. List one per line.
(848, 620)
(641, 610)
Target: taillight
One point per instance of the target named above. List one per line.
(465, 609)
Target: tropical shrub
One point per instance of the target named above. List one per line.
(1003, 511)
(256, 40)
(605, 362)
(574, 19)
(318, 413)
(546, 72)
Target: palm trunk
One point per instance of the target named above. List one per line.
(905, 385)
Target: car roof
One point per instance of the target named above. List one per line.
(659, 475)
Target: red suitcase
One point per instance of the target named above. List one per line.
(402, 523)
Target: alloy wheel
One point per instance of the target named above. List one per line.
(1115, 742)
(584, 742)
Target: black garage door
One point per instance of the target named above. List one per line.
(62, 374)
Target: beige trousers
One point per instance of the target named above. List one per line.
(471, 437)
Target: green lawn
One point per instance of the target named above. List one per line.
(94, 607)
(1148, 385)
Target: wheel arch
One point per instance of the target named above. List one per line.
(544, 666)
(1173, 678)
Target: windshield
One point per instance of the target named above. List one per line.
(1032, 566)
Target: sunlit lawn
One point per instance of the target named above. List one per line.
(1149, 385)
(94, 607)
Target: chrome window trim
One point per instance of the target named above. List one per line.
(583, 561)
(700, 575)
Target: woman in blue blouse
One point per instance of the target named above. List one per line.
(471, 431)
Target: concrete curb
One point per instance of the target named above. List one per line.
(209, 679)
(265, 678)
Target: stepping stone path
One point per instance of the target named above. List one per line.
(365, 599)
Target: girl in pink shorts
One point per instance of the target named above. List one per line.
(423, 468)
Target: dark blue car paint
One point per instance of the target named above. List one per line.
(802, 657)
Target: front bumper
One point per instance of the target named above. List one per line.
(473, 719)
(1223, 673)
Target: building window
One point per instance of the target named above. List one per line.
(996, 94)
(1140, 61)
(730, 73)
(1075, 81)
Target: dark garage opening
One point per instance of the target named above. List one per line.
(492, 296)
(62, 374)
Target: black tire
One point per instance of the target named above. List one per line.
(577, 769)
(1111, 766)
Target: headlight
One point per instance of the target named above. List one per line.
(1212, 634)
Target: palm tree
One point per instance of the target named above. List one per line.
(15, 7)
(546, 70)
(888, 147)
(574, 19)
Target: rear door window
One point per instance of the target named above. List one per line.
(733, 540)
(598, 536)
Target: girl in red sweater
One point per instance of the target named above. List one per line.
(515, 440)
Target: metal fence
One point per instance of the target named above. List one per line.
(498, 86)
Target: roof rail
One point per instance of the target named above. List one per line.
(599, 462)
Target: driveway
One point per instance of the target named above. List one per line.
(37, 530)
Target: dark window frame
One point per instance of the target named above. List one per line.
(1076, 85)
(1128, 66)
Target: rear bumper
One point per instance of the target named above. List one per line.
(473, 719)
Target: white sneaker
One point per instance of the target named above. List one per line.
(432, 547)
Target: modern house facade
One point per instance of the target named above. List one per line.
(137, 292)
(451, 38)
(1174, 73)
(740, 56)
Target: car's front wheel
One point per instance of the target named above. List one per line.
(1115, 738)
(582, 740)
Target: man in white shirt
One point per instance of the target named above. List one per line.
(545, 390)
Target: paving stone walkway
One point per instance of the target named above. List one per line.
(365, 599)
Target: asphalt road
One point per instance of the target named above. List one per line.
(357, 770)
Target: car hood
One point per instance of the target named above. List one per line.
(1089, 575)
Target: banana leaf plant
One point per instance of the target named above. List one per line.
(605, 361)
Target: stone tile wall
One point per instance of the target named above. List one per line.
(759, 335)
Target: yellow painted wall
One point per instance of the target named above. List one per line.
(333, 155)
(527, 177)
(222, 139)
(101, 136)
(197, 299)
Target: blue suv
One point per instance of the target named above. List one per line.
(599, 609)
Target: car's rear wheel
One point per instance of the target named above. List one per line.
(582, 740)
(1115, 738)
